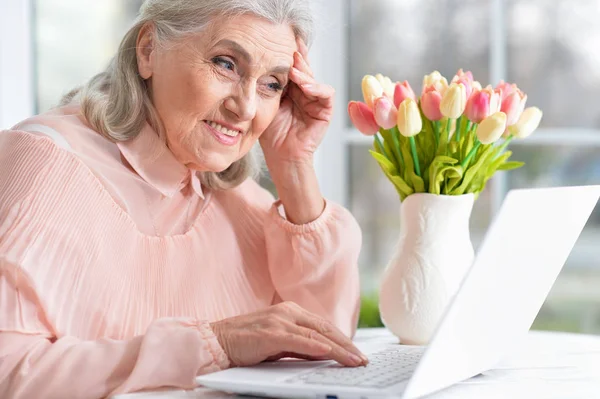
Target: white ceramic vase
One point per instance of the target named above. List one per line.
(432, 256)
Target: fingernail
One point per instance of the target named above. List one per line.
(308, 86)
(355, 359)
(364, 358)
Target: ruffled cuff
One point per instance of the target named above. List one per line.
(330, 212)
(212, 346)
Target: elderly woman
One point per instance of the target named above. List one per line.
(136, 250)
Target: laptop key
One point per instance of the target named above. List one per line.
(387, 367)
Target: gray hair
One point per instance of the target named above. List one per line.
(116, 102)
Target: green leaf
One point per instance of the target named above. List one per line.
(466, 145)
(478, 183)
(410, 176)
(443, 145)
(388, 146)
(426, 143)
(472, 170)
(511, 165)
(452, 175)
(453, 148)
(436, 172)
(496, 162)
(377, 147)
(390, 171)
(395, 135)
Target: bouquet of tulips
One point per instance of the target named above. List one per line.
(450, 140)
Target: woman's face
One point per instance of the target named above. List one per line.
(217, 91)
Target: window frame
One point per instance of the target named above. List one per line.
(17, 77)
(343, 137)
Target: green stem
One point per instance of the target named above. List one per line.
(474, 127)
(457, 130)
(470, 155)
(395, 133)
(447, 135)
(505, 144)
(378, 140)
(413, 148)
(436, 133)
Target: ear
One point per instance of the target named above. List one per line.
(145, 50)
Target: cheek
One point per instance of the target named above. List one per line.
(192, 92)
(265, 115)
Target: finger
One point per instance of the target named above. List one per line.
(303, 50)
(324, 93)
(338, 352)
(301, 64)
(294, 355)
(300, 77)
(316, 111)
(330, 331)
(296, 343)
(301, 97)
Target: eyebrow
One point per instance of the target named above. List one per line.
(241, 51)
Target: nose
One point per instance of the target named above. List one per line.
(242, 102)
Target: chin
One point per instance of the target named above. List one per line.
(215, 167)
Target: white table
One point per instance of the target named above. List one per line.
(545, 365)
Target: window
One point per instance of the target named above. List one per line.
(74, 40)
(549, 48)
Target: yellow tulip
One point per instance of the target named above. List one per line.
(491, 128)
(409, 118)
(454, 101)
(386, 84)
(528, 121)
(436, 80)
(371, 89)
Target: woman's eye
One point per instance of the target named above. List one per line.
(275, 86)
(224, 63)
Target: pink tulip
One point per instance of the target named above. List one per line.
(461, 74)
(402, 91)
(482, 104)
(513, 106)
(385, 112)
(466, 78)
(430, 103)
(362, 118)
(505, 89)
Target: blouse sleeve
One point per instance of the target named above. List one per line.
(315, 264)
(37, 360)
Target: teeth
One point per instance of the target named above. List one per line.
(223, 129)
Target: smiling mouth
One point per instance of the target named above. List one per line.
(223, 129)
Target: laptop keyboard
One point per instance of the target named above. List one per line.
(387, 367)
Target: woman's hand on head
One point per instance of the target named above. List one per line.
(303, 118)
(284, 330)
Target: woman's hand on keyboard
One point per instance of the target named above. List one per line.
(284, 330)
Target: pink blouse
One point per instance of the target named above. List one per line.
(113, 262)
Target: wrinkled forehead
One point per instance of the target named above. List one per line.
(262, 40)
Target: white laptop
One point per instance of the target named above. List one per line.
(517, 264)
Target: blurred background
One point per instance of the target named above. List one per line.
(550, 48)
